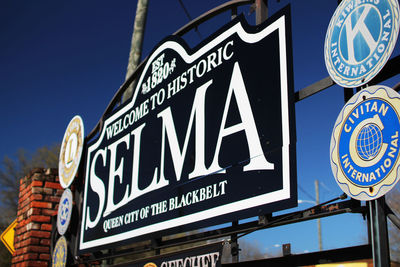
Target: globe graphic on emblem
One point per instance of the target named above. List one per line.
(369, 141)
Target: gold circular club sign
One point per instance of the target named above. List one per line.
(71, 151)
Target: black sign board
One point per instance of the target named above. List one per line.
(208, 137)
(204, 256)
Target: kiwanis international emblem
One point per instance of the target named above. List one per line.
(364, 145)
(71, 151)
(360, 39)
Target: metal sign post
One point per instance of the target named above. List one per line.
(379, 234)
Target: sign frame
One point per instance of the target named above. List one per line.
(286, 197)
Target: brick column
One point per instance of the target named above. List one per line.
(39, 195)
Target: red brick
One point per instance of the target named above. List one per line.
(40, 204)
(38, 190)
(46, 227)
(17, 252)
(49, 212)
(40, 218)
(27, 189)
(37, 183)
(24, 197)
(18, 258)
(52, 199)
(24, 222)
(25, 209)
(32, 226)
(41, 249)
(44, 256)
(33, 211)
(30, 241)
(20, 231)
(17, 239)
(41, 234)
(24, 250)
(30, 256)
(45, 242)
(36, 264)
(53, 185)
(36, 197)
(26, 200)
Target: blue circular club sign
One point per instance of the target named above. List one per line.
(360, 39)
(64, 211)
(364, 148)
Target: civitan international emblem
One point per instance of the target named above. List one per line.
(364, 145)
(64, 211)
(71, 151)
(360, 39)
(60, 252)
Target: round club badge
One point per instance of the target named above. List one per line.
(59, 258)
(71, 151)
(360, 39)
(64, 211)
(364, 148)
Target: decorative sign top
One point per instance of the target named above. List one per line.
(71, 151)
(202, 125)
(360, 39)
(364, 145)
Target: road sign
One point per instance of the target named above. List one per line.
(7, 237)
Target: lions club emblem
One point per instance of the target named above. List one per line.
(364, 148)
(71, 151)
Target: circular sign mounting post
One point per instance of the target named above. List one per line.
(71, 151)
(364, 148)
(360, 39)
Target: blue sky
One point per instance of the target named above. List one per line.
(62, 58)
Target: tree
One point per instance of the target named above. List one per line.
(11, 171)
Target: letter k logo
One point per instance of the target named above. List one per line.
(353, 33)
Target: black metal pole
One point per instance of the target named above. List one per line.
(379, 233)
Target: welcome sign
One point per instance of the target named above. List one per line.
(208, 137)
